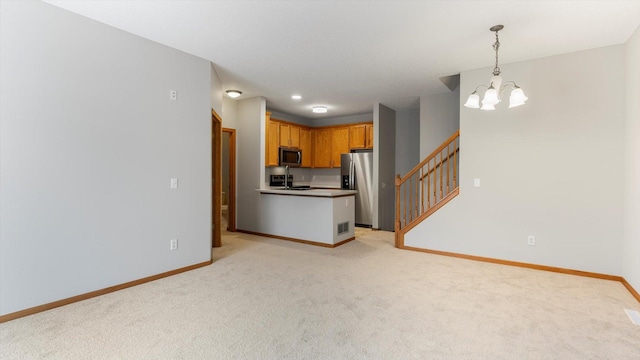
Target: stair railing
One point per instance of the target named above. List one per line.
(427, 187)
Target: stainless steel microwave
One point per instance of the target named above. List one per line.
(290, 157)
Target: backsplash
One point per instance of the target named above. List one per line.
(325, 178)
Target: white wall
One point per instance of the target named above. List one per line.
(229, 113)
(384, 129)
(250, 143)
(88, 143)
(631, 247)
(407, 140)
(439, 119)
(552, 168)
(216, 91)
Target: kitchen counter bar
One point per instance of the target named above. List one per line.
(324, 217)
(309, 192)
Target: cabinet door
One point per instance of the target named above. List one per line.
(322, 148)
(305, 147)
(294, 136)
(369, 143)
(339, 144)
(285, 132)
(357, 136)
(272, 144)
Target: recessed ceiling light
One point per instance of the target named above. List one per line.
(296, 97)
(234, 93)
(320, 109)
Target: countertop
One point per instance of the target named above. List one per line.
(309, 192)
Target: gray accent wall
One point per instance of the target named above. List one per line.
(341, 120)
(291, 118)
(631, 245)
(88, 143)
(407, 140)
(250, 141)
(552, 168)
(384, 128)
(439, 119)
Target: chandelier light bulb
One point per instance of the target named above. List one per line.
(490, 97)
(487, 107)
(473, 101)
(517, 97)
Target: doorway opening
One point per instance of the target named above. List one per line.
(223, 179)
(216, 183)
(228, 180)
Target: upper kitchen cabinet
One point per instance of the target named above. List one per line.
(271, 151)
(339, 144)
(289, 135)
(321, 148)
(305, 146)
(361, 136)
(328, 144)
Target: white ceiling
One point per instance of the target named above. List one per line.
(348, 55)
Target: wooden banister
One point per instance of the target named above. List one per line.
(432, 155)
(426, 187)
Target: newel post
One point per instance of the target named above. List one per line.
(397, 227)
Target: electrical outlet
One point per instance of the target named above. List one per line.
(173, 94)
(531, 240)
(173, 244)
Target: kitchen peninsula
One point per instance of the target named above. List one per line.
(323, 217)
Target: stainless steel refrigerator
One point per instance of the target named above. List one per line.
(357, 174)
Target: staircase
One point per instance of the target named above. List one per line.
(427, 187)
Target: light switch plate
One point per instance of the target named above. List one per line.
(476, 182)
(174, 183)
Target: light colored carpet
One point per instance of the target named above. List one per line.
(272, 299)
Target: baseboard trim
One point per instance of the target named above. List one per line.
(622, 280)
(308, 242)
(631, 289)
(92, 294)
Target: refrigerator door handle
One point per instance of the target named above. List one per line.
(352, 170)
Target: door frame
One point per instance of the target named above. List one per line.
(231, 202)
(216, 178)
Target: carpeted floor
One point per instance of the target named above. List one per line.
(272, 299)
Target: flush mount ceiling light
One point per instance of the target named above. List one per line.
(493, 94)
(234, 93)
(319, 109)
(296, 97)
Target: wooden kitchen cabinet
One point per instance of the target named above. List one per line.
(271, 153)
(361, 136)
(289, 136)
(305, 146)
(339, 144)
(321, 148)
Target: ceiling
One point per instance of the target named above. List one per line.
(348, 55)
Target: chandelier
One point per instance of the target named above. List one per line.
(493, 94)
